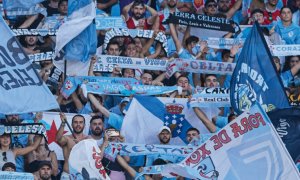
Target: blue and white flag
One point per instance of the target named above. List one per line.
(146, 115)
(23, 7)
(26, 4)
(247, 148)
(255, 77)
(77, 36)
(21, 88)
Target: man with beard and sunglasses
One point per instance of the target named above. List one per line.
(67, 142)
(138, 20)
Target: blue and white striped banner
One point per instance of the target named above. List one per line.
(126, 149)
(221, 43)
(127, 89)
(199, 66)
(106, 63)
(34, 32)
(285, 50)
(109, 22)
(71, 83)
(31, 11)
(160, 37)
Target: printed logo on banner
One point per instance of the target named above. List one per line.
(133, 33)
(68, 85)
(205, 168)
(247, 97)
(175, 120)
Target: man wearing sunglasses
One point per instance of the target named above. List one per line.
(211, 8)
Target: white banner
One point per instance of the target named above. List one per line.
(161, 37)
(285, 50)
(106, 63)
(85, 161)
(247, 148)
(34, 32)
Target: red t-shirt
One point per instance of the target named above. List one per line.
(270, 17)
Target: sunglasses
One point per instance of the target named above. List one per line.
(270, 16)
(212, 5)
(294, 61)
(4, 156)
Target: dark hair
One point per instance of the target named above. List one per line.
(78, 115)
(97, 96)
(61, 1)
(191, 39)
(257, 11)
(225, 51)
(286, 65)
(209, 1)
(112, 43)
(9, 164)
(123, 70)
(96, 117)
(210, 75)
(138, 2)
(231, 116)
(159, 162)
(193, 129)
(181, 77)
(284, 7)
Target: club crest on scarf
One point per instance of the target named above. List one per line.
(174, 118)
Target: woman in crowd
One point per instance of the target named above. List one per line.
(9, 154)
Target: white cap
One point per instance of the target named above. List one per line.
(164, 128)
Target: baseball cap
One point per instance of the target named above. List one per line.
(125, 99)
(164, 128)
(45, 163)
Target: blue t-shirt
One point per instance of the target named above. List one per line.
(290, 34)
(115, 121)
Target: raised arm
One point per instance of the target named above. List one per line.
(106, 5)
(92, 63)
(125, 11)
(125, 165)
(60, 139)
(22, 151)
(202, 116)
(175, 38)
(98, 105)
(234, 8)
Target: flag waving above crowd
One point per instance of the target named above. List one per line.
(22, 90)
(255, 78)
